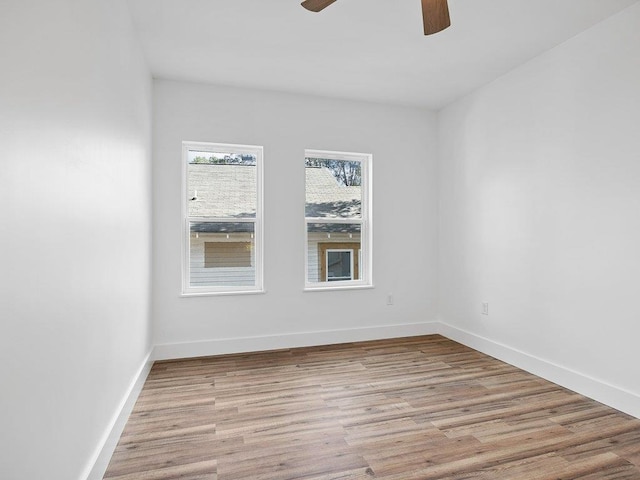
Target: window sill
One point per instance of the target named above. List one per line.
(324, 288)
(230, 292)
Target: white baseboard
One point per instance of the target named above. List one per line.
(290, 340)
(603, 392)
(99, 462)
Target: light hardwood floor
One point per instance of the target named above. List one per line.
(412, 408)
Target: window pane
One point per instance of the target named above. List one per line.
(222, 254)
(327, 237)
(221, 185)
(333, 188)
(338, 265)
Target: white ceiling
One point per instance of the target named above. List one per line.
(357, 49)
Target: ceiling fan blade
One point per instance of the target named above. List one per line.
(435, 16)
(316, 5)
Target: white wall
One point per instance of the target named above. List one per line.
(75, 100)
(404, 220)
(539, 191)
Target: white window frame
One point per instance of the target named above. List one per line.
(187, 289)
(365, 265)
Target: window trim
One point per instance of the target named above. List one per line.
(188, 290)
(365, 260)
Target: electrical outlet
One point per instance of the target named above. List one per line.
(390, 299)
(485, 308)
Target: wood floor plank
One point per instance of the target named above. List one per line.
(421, 408)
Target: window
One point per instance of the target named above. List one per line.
(337, 220)
(222, 205)
(339, 265)
(338, 261)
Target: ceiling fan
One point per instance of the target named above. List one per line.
(435, 13)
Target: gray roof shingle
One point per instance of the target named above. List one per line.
(329, 199)
(225, 191)
(229, 191)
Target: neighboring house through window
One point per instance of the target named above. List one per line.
(222, 206)
(337, 220)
